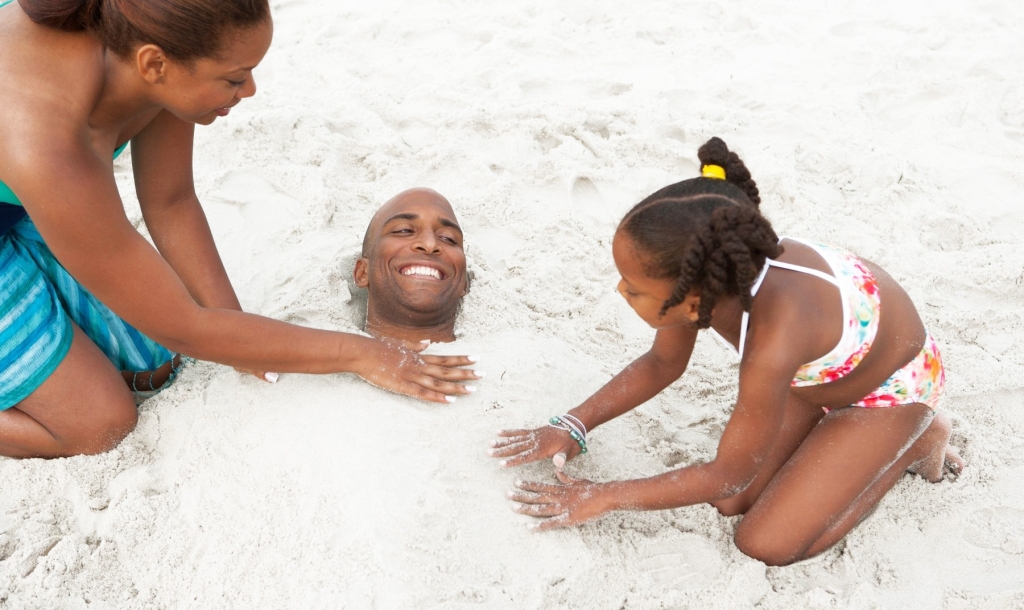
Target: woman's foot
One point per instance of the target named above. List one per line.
(938, 456)
(151, 381)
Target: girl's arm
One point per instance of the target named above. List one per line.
(643, 379)
(82, 221)
(746, 442)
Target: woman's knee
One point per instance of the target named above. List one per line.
(110, 424)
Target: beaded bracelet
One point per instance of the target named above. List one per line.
(573, 426)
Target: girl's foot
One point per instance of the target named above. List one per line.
(938, 456)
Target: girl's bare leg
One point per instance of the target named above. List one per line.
(837, 475)
(800, 418)
(84, 407)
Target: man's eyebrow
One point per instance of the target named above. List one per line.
(449, 223)
(405, 216)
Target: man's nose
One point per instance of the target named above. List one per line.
(427, 242)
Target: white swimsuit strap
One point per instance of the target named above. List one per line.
(764, 272)
(746, 315)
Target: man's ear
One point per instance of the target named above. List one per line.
(151, 63)
(361, 272)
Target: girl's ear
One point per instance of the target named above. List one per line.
(361, 273)
(692, 306)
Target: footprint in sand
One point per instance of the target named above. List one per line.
(682, 562)
(999, 528)
(259, 202)
(587, 200)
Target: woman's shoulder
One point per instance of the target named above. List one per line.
(48, 74)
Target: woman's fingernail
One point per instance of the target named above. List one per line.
(472, 358)
(470, 388)
(425, 342)
(450, 398)
(271, 377)
(503, 463)
(480, 373)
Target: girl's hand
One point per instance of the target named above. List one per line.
(571, 503)
(397, 366)
(520, 447)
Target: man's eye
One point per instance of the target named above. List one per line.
(450, 240)
(236, 83)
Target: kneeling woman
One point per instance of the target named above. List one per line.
(86, 304)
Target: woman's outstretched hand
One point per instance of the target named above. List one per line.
(398, 366)
(571, 503)
(517, 447)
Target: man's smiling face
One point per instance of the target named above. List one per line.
(412, 262)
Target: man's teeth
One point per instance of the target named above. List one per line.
(434, 273)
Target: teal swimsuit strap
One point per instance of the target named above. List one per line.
(4, 3)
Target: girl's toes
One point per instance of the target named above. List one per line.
(954, 464)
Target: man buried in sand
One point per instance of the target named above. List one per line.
(414, 268)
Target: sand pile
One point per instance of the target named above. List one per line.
(895, 131)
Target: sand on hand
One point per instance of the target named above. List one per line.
(896, 131)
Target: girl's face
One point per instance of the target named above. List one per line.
(645, 294)
(209, 87)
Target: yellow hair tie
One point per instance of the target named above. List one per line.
(713, 171)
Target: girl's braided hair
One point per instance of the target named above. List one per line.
(706, 233)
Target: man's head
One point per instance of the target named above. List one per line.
(414, 268)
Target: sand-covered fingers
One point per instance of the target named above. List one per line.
(452, 361)
(513, 449)
(539, 510)
(525, 446)
(504, 441)
(397, 366)
(572, 502)
(449, 374)
(531, 497)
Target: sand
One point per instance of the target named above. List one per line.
(893, 130)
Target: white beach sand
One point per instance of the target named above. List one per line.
(895, 131)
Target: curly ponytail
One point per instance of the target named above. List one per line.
(715, 152)
(705, 234)
(186, 30)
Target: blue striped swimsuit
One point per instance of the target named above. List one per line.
(38, 302)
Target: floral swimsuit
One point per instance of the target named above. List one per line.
(920, 380)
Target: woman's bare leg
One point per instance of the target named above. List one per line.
(800, 418)
(836, 476)
(84, 407)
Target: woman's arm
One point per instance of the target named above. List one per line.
(162, 163)
(82, 221)
(643, 379)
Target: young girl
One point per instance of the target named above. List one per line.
(838, 382)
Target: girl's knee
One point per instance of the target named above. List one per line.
(766, 544)
(736, 505)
